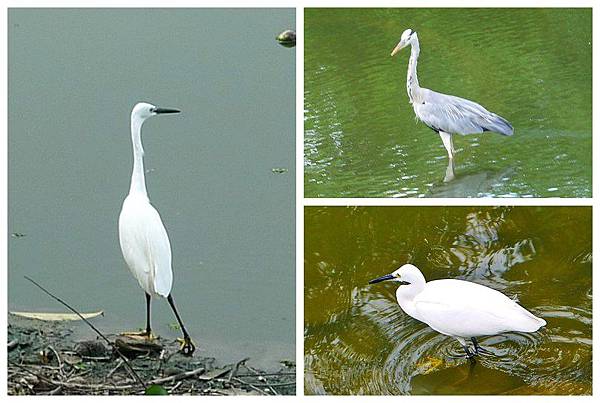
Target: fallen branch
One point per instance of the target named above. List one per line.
(267, 374)
(178, 377)
(60, 369)
(235, 368)
(251, 386)
(74, 385)
(135, 374)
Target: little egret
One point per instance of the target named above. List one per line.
(446, 114)
(458, 308)
(142, 235)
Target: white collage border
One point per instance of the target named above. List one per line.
(299, 5)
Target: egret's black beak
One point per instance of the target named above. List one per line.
(159, 111)
(382, 278)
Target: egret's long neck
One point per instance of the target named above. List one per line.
(412, 82)
(138, 181)
(405, 295)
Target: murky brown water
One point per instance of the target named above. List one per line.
(358, 340)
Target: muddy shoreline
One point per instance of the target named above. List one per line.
(45, 358)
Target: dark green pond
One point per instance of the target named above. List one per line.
(531, 66)
(358, 340)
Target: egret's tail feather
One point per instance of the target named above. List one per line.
(528, 322)
(498, 124)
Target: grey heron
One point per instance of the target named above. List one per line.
(446, 114)
(142, 235)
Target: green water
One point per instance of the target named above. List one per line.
(531, 66)
(74, 75)
(358, 340)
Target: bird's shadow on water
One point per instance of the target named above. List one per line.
(469, 184)
(468, 378)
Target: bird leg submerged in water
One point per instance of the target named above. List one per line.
(477, 348)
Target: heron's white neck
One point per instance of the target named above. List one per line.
(138, 181)
(412, 82)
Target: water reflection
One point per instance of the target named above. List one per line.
(358, 341)
(472, 184)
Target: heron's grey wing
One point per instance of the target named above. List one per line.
(457, 115)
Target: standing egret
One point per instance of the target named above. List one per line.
(458, 308)
(142, 235)
(446, 114)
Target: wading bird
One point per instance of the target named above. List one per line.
(458, 308)
(142, 235)
(446, 114)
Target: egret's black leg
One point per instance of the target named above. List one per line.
(478, 348)
(188, 347)
(143, 333)
(148, 331)
(470, 355)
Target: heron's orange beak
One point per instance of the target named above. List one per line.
(396, 49)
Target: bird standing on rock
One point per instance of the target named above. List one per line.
(142, 235)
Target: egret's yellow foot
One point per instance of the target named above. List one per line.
(187, 346)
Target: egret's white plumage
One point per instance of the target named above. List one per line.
(145, 245)
(458, 308)
(142, 235)
(446, 114)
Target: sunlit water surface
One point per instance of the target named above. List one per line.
(531, 66)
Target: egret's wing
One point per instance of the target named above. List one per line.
(458, 115)
(467, 309)
(146, 248)
(456, 320)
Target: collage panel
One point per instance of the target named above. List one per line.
(497, 109)
(444, 300)
(151, 179)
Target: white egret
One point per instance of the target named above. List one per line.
(446, 114)
(458, 308)
(142, 235)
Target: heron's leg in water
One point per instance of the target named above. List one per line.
(448, 144)
(187, 347)
(478, 348)
(449, 177)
